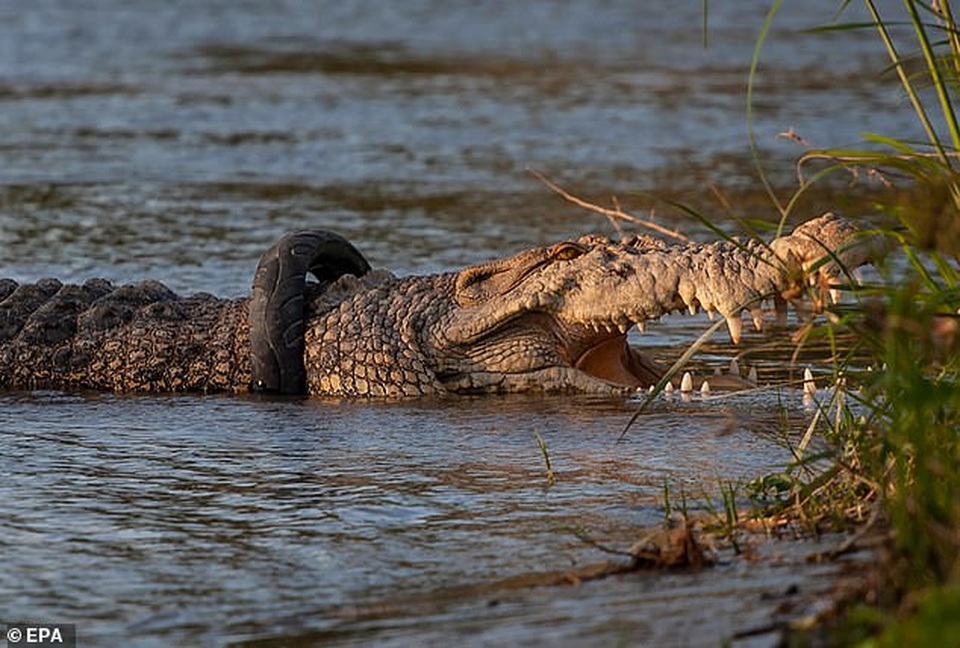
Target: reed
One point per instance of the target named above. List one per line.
(894, 431)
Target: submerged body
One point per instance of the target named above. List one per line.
(548, 319)
(135, 338)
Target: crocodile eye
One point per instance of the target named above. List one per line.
(567, 251)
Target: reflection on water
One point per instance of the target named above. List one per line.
(177, 140)
(178, 517)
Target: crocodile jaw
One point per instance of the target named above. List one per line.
(571, 358)
(617, 362)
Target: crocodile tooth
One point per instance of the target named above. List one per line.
(835, 295)
(668, 389)
(752, 375)
(686, 383)
(757, 314)
(642, 326)
(735, 324)
(705, 388)
(734, 367)
(692, 308)
(809, 386)
(710, 313)
(623, 326)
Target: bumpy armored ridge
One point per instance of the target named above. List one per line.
(551, 319)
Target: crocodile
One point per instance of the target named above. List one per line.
(320, 321)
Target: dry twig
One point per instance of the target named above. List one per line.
(609, 213)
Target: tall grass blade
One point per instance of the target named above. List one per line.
(934, 67)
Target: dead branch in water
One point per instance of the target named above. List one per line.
(612, 214)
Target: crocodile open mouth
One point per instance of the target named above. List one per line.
(614, 360)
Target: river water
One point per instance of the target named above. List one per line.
(178, 140)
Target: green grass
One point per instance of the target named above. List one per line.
(891, 422)
(548, 469)
(894, 441)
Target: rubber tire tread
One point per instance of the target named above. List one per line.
(276, 315)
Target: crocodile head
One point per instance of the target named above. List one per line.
(557, 317)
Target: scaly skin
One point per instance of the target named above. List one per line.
(138, 338)
(548, 319)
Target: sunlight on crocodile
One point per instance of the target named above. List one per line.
(549, 319)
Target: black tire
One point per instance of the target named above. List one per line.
(277, 304)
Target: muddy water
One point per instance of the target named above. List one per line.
(176, 140)
(185, 520)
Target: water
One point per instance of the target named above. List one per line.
(177, 140)
(178, 520)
